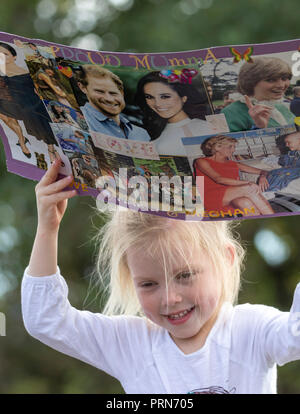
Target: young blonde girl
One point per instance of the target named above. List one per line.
(170, 324)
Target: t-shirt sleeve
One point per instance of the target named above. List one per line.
(117, 345)
(264, 336)
(282, 334)
(267, 336)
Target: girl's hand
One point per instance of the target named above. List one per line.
(259, 113)
(51, 200)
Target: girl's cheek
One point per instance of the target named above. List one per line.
(144, 301)
(149, 304)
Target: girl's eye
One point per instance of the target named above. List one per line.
(185, 276)
(148, 97)
(165, 96)
(147, 284)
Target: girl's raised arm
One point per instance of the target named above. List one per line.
(51, 206)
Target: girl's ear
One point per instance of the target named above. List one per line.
(230, 252)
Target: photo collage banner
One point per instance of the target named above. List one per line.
(211, 134)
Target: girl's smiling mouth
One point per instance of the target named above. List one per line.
(180, 317)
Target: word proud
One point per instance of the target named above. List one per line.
(153, 61)
(155, 193)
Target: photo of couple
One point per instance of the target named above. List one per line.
(160, 110)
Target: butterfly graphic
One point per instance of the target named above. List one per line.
(242, 56)
(179, 75)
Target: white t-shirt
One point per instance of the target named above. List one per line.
(169, 142)
(239, 355)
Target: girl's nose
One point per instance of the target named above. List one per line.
(172, 296)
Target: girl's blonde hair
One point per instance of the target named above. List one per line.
(174, 239)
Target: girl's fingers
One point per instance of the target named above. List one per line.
(57, 185)
(63, 195)
(51, 174)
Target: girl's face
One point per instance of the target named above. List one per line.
(226, 148)
(185, 303)
(165, 101)
(267, 90)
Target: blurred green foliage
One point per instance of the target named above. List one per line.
(26, 365)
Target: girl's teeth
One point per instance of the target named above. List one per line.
(179, 315)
